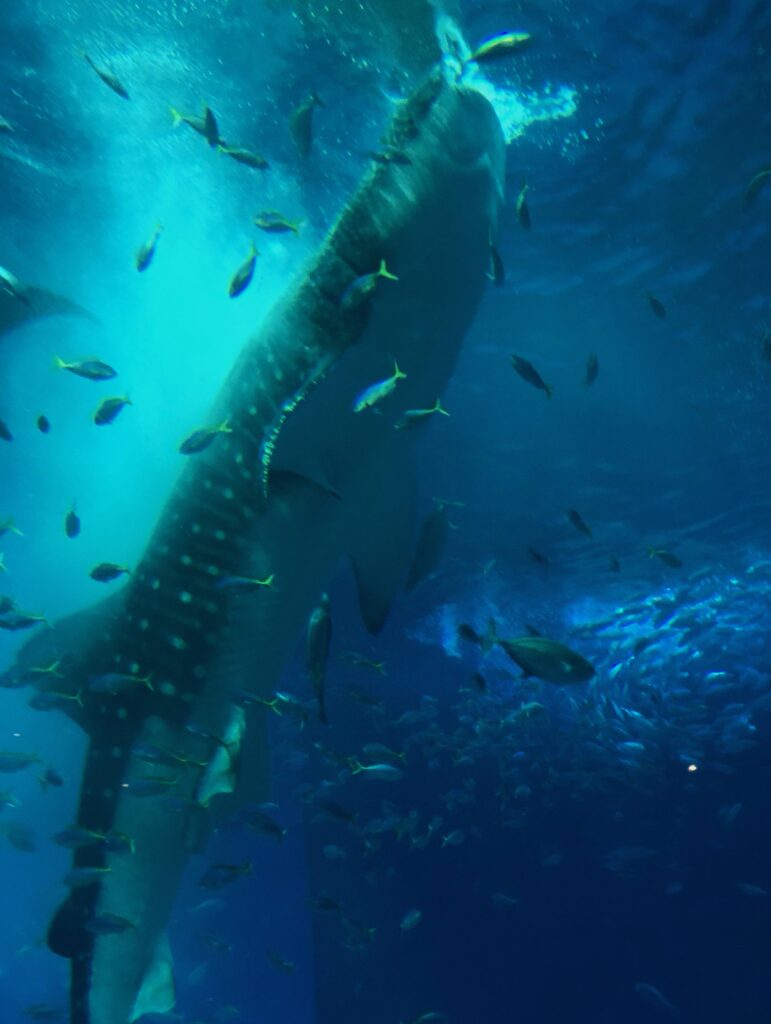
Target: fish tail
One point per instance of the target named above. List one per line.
(383, 271)
(398, 373)
(176, 117)
(549, 390)
(490, 639)
(438, 407)
(148, 681)
(224, 428)
(59, 363)
(651, 552)
(356, 766)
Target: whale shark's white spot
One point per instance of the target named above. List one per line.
(178, 643)
(186, 560)
(199, 672)
(156, 584)
(219, 535)
(167, 689)
(116, 753)
(185, 596)
(122, 714)
(195, 528)
(143, 624)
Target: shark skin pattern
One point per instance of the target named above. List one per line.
(300, 482)
(34, 303)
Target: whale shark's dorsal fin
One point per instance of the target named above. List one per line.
(382, 552)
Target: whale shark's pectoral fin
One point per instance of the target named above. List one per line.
(221, 773)
(382, 551)
(158, 993)
(32, 303)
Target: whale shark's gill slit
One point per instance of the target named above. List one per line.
(268, 447)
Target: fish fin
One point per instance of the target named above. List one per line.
(67, 934)
(220, 775)
(158, 991)
(38, 303)
(281, 479)
(382, 553)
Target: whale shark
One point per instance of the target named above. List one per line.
(297, 482)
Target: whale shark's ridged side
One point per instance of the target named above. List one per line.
(335, 487)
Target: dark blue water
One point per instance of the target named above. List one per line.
(595, 853)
